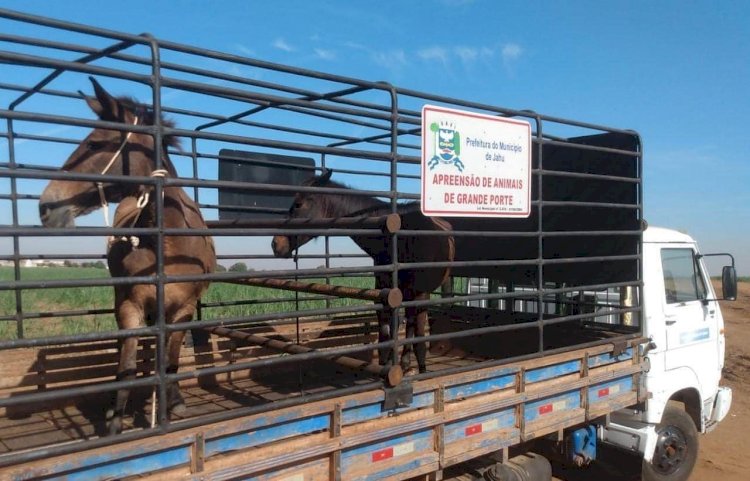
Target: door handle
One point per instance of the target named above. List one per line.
(670, 320)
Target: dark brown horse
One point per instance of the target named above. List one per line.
(415, 284)
(122, 153)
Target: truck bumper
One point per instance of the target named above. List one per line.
(722, 403)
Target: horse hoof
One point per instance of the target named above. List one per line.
(178, 408)
(440, 348)
(114, 426)
(410, 372)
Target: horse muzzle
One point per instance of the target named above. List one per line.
(281, 246)
(56, 216)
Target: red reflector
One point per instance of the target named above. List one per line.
(474, 429)
(604, 392)
(547, 408)
(386, 453)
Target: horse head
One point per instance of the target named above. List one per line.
(306, 205)
(103, 151)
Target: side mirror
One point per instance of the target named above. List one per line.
(729, 283)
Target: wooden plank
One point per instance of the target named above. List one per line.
(460, 408)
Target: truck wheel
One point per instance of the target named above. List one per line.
(676, 449)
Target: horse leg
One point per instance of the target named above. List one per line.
(128, 317)
(385, 354)
(384, 335)
(408, 348)
(175, 402)
(420, 348)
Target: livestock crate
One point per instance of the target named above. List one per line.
(297, 335)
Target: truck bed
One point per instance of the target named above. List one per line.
(470, 402)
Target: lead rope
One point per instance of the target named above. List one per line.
(140, 204)
(100, 185)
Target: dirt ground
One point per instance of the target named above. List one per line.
(723, 452)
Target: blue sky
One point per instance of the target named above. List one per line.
(677, 72)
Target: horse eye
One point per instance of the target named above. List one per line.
(93, 145)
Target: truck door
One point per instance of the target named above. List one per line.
(690, 321)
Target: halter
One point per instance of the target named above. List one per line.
(141, 202)
(100, 185)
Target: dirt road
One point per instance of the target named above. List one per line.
(723, 452)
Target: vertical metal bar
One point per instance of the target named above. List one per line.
(194, 158)
(161, 361)
(16, 239)
(639, 176)
(395, 320)
(540, 230)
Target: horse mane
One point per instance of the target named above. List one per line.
(146, 116)
(363, 205)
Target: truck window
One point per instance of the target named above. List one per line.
(682, 279)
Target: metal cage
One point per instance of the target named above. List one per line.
(543, 278)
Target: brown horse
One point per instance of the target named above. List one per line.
(415, 284)
(122, 153)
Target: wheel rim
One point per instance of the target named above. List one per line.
(671, 450)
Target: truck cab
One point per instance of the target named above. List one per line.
(685, 327)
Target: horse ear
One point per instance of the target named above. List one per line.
(325, 176)
(104, 105)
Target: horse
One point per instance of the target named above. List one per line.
(415, 284)
(109, 151)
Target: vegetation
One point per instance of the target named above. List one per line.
(238, 267)
(49, 311)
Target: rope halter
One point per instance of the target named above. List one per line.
(100, 185)
(141, 202)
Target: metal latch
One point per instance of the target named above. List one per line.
(398, 397)
(618, 348)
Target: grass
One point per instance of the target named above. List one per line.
(52, 303)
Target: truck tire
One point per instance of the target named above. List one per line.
(676, 449)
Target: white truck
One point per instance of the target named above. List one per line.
(685, 357)
(590, 327)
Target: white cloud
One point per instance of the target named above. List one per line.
(467, 54)
(281, 44)
(390, 59)
(244, 50)
(434, 53)
(355, 46)
(325, 54)
(511, 52)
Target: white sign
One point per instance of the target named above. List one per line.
(475, 165)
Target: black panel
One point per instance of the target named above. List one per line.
(566, 218)
(261, 168)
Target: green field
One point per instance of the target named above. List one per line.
(45, 308)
